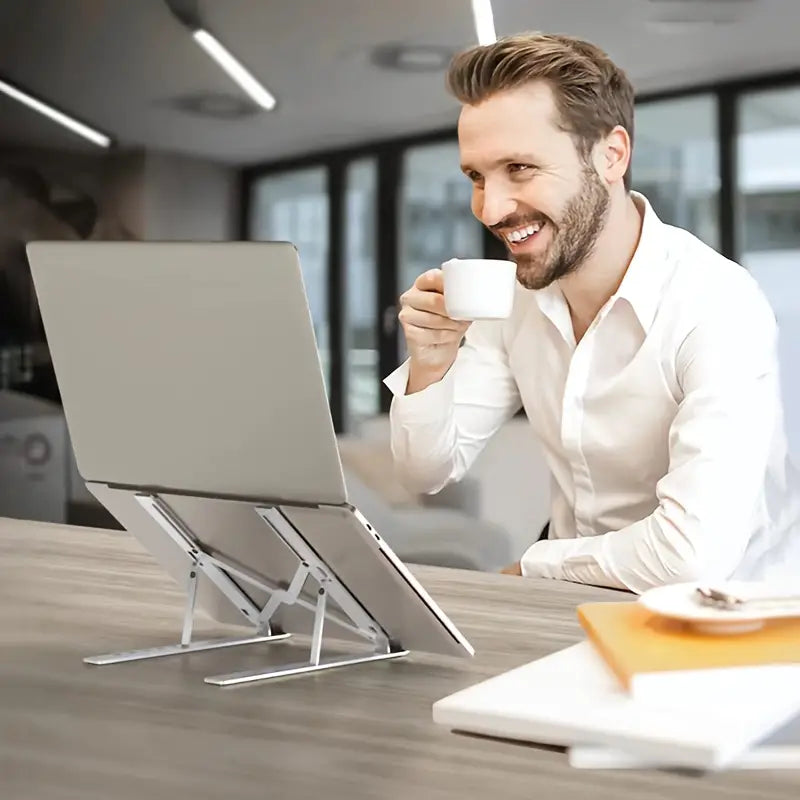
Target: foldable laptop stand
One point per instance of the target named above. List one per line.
(221, 571)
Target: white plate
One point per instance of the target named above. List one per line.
(677, 601)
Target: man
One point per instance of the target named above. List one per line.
(645, 361)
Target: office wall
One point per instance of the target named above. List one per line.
(77, 195)
(129, 195)
(65, 196)
(186, 198)
(47, 194)
(135, 195)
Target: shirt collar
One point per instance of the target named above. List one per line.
(644, 279)
(641, 285)
(553, 305)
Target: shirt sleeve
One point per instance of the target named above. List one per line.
(719, 446)
(437, 434)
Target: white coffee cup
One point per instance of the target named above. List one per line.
(479, 288)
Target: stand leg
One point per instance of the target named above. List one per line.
(315, 663)
(179, 649)
(291, 670)
(188, 617)
(319, 621)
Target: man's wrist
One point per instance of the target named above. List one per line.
(421, 377)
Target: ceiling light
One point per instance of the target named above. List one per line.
(679, 15)
(71, 123)
(678, 26)
(484, 21)
(217, 105)
(411, 57)
(234, 68)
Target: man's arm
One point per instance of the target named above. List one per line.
(439, 431)
(719, 445)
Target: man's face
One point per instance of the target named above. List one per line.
(531, 186)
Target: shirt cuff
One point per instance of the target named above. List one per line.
(563, 559)
(541, 560)
(578, 560)
(429, 404)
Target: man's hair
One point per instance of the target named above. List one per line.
(591, 93)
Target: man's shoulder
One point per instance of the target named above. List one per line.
(711, 293)
(704, 278)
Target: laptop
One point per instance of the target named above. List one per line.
(189, 371)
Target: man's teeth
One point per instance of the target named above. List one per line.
(521, 234)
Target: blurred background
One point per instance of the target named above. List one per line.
(347, 147)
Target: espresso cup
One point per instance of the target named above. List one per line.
(479, 288)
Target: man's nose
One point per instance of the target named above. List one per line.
(497, 205)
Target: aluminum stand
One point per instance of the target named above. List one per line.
(221, 571)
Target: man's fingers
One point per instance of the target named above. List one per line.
(426, 319)
(428, 336)
(430, 281)
(432, 302)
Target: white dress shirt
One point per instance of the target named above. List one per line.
(662, 429)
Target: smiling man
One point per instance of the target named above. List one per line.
(645, 361)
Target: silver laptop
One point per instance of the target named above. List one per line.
(197, 410)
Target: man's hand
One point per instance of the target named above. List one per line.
(514, 569)
(432, 338)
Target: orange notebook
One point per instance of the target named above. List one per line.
(644, 650)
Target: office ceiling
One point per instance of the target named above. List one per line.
(129, 68)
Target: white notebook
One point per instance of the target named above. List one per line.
(781, 750)
(571, 698)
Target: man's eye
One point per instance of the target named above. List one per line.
(519, 167)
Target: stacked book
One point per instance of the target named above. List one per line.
(658, 661)
(646, 691)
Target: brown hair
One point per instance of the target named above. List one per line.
(592, 94)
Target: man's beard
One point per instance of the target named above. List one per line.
(572, 240)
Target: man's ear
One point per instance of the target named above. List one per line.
(613, 155)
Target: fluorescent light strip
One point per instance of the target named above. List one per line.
(234, 68)
(484, 21)
(91, 134)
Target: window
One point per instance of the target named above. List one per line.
(676, 162)
(768, 191)
(361, 342)
(293, 207)
(436, 222)
(768, 221)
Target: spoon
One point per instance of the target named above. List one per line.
(727, 601)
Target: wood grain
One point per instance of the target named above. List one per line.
(154, 730)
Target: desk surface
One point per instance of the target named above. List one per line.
(154, 730)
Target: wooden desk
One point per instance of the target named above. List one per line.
(153, 730)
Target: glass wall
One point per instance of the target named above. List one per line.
(361, 270)
(676, 162)
(436, 222)
(768, 221)
(768, 171)
(293, 207)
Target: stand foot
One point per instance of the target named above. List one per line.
(179, 649)
(290, 670)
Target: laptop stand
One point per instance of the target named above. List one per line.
(220, 571)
